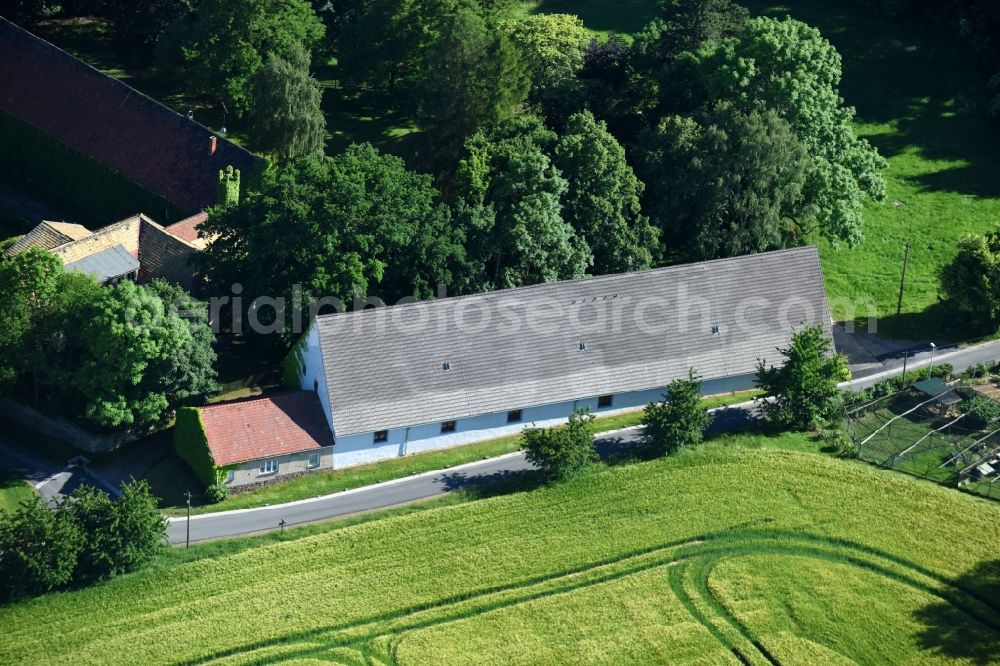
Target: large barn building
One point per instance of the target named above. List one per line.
(408, 378)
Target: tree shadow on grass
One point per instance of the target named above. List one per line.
(960, 631)
(917, 76)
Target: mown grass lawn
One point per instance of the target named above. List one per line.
(13, 491)
(171, 477)
(722, 554)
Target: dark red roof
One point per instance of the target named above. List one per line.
(265, 427)
(104, 118)
(188, 227)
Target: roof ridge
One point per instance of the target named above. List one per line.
(118, 81)
(287, 393)
(802, 249)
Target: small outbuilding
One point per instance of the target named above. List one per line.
(254, 440)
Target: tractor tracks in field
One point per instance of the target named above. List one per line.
(688, 566)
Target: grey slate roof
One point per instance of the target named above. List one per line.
(107, 264)
(521, 347)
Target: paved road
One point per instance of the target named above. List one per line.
(405, 490)
(51, 481)
(921, 357)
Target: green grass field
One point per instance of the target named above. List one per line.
(13, 491)
(723, 554)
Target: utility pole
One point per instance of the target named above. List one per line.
(906, 355)
(930, 368)
(187, 539)
(902, 279)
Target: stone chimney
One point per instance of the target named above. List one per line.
(212, 144)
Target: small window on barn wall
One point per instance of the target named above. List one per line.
(605, 400)
(381, 436)
(268, 467)
(448, 426)
(313, 460)
(513, 416)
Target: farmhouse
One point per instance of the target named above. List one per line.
(414, 377)
(49, 91)
(136, 248)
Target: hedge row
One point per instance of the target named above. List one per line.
(191, 444)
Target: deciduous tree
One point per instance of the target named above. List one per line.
(788, 68)
(287, 119)
(38, 550)
(971, 281)
(528, 241)
(602, 198)
(723, 184)
(225, 43)
(358, 221)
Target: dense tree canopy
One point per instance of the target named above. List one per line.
(359, 221)
(475, 79)
(111, 357)
(287, 119)
(526, 240)
(724, 183)
(225, 43)
(602, 198)
(789, 68)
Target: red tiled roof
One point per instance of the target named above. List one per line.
(265, 427)
(104, 118)
(188, 227)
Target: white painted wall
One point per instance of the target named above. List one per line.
(312, 377)
(361, 449)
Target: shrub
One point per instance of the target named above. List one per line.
(216, 492)
(981, 409)
(562, 452)
(38, 550)
(142, 528)
(679, 419)
(977, 371)
(837, 442)
(86, 538)
(96, 515)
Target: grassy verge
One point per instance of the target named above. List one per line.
(170, 478)
(724, 553)
(13, 491)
